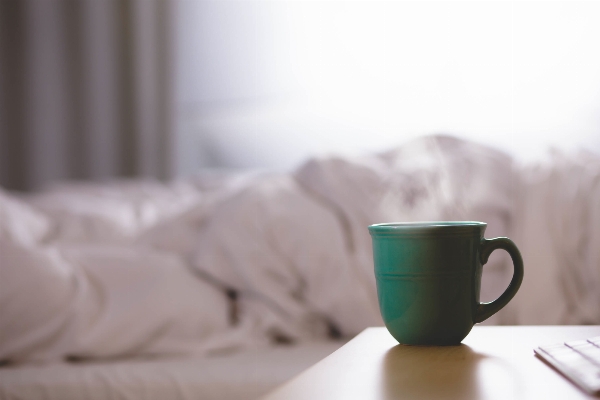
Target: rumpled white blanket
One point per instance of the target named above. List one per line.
(558, 232)
(219, 262)
(297, 247)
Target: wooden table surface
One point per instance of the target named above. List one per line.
(494, 362)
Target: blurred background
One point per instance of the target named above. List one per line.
(94, 89)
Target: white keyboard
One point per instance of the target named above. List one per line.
(578, 360)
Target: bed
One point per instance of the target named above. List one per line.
(242, 375)
(223, 285)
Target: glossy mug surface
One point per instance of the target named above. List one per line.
(429, 277)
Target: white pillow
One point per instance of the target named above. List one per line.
(37, 289)
(114, 212)
(20, 223)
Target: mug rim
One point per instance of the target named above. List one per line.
(425, 227)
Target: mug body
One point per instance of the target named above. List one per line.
(428, 279)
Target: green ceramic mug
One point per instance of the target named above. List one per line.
(429, 276)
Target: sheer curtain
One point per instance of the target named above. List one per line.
(85, 90)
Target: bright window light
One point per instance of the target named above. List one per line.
(350, 77)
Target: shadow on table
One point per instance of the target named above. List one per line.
(431, 372)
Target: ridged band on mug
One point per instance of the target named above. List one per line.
(423, 275)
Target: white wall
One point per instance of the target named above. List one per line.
(266, 84)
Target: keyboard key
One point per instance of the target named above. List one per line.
(595, 340)
(573, 364)
(587, 350)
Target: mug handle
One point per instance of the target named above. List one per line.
(487, 246)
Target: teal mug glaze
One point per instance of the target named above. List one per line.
(429, 277)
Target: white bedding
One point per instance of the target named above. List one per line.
(558, 232)
(244, 375)
(217, 263)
